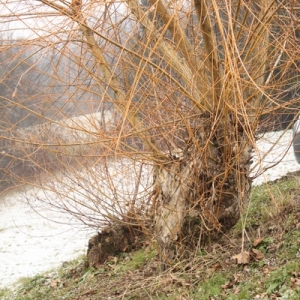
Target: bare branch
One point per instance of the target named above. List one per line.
(210, 46)
(170, 55)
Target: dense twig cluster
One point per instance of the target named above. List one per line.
(147, 107)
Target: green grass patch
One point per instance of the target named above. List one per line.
(211, 288)
(266, 201)
(136, 260)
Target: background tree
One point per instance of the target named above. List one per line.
(181, 87)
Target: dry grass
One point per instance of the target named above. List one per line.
(210, 274)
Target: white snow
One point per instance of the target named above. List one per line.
(36, 240)
(69, 130)
(31, 243)
(274, 157)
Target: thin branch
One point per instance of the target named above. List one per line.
(170, 55)
(120, 98)
(183, 44)
(210, 47)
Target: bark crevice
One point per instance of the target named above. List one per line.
(200, 195)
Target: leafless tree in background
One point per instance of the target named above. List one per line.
(170, 93)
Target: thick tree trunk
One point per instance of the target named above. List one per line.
(199, 195)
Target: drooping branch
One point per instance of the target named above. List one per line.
(119, 102)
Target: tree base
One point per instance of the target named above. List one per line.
(112, 241)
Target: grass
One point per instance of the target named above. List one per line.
(136, 261)
(271, 217)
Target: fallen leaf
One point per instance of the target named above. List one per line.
(257, 254)
(89, 292)
(295, 282)
(217, 267)
(242, 258)
(227, 285)
(257, 241)
(178, 280)
(55, 283)
(261, 296)
(272, 248)
(230, 283)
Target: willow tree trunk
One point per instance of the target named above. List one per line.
(200, 193)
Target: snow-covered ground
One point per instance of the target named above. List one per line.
(274, 157)
(30, 243)
(33, 243)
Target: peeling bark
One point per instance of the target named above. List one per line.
(200, 194)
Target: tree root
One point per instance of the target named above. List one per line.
(113, 240)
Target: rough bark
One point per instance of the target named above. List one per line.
(199, 194)
(112, 241)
